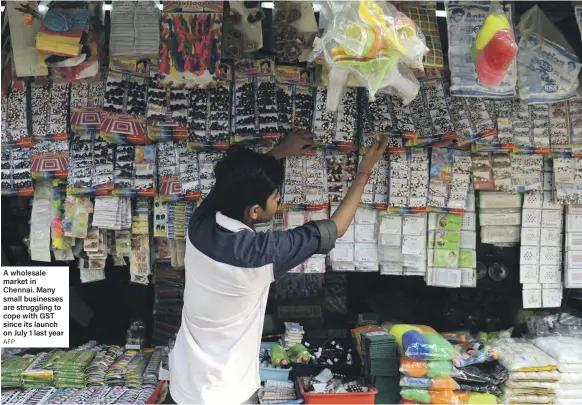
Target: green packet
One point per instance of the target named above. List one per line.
(449, 240)
(467, 259)
(449, 222)
(446, 258)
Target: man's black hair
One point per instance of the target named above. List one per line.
(245, 178)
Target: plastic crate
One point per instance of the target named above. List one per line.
(276, 374)
(347, 398)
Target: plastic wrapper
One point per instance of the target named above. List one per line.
(373, 42)
(299, 354)
(422, 343)
(278, 356)
(424, 396)
(474, 353)
(424, 368)
(520, 355)
(494, 48)
(564, 349)
(487, 373)
(482, 388)
(547, 66)
(437, 383)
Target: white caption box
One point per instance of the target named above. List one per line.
(389, 240)
(530, 236)
(348, 237)
(550, 274)
(574, 259)
(529, 255)
(35, 307)
(573, 241)
(551, 237)
(551, 298)
(342, 253)
(468, 240)
(365, 253)
(365, 216)
(573, 278)
(389, 254)
(551, 219)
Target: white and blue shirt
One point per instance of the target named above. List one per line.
(229, 268)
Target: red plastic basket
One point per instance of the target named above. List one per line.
(347, 398)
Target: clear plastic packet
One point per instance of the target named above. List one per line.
(486, 373)
(521, 355)
(436, 383)
(547, 65)
(494, 48)
(373, 42)
(422, 343)
(479, 387)
(424, 368)
(424, 396)
(564, 349)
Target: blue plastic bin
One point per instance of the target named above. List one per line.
(275, 374)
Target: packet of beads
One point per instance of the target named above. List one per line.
(422, 343)
(373, 42)
(494, 48)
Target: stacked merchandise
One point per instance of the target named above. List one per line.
(468, 247)
(293, 219)
(116, 375)
(151, 373)
(380, 361)
(69, 368)
(136, 367)
(95, 372)
(169, 291)
(500, 217)
(135, 30)
(36, 375)
(445, 257)
(12, 369)
(342, 256)
(293, 335)
(567, 351)
(431, 383)
(95, 395)
(365, 248)
(573, 254)
(532, 373)
(305, 181)
(541, 251)
(402, 244)
(429, 374)
(274, 392)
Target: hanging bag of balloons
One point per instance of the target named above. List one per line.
(373, 42)
(494, 48)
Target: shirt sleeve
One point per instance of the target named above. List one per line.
(288, 249)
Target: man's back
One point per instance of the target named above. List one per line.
(215, 358)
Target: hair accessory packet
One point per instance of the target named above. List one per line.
(373, 42)
(422, 343)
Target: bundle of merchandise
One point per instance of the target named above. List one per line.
(567, 351)
(95, 372)
(380, 361)
(327, 382)
(427, 366)
(402, 244)
(12, 369)
(169, 291)
(273, 392)
(542, 44)
(541, 250)
(376, 44)
(573, 253)
(36, 375)
(293, 335)
(94, 395)
(330, 353)
(532, 373)
(499, 217)
(69, 368)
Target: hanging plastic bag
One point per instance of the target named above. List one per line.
(547, 65)
(373, 42)
(494, 48)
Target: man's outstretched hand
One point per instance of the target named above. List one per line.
(295, 144)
